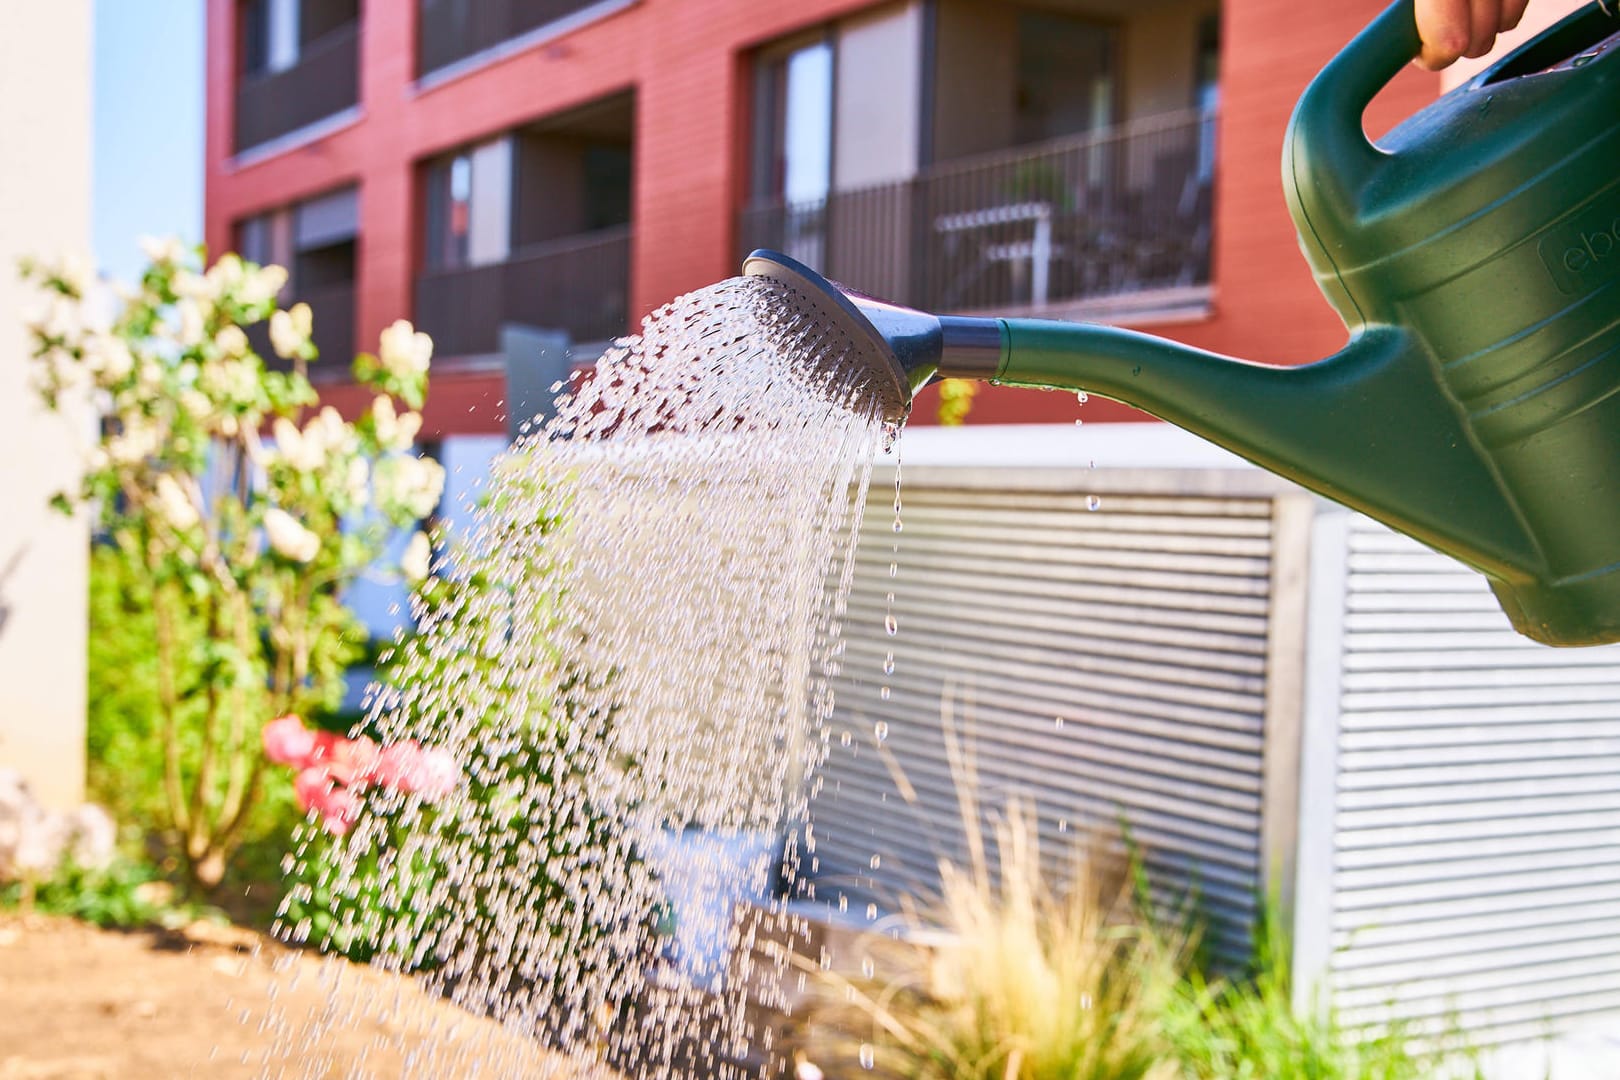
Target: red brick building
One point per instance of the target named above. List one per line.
(572, 165)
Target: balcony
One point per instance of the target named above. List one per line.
(322, 83)
(452, 30)
(578, 284)
(332, 307)
(1085, 223)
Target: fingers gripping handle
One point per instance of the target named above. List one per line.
(1327, 148)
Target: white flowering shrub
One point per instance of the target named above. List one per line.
(246, 506)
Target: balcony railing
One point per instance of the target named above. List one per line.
(332, 308)
(452, 30)
(323, 82)
(1082, 218)
(579, 284)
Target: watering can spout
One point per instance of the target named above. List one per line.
(1367, 427)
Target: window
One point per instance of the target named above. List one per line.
(1066, 76)
(1207, 91)
(275, 34)
(449, 212)
(793, 119)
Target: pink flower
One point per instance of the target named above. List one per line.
(288, 742)
(350, 761)
(339, 807)
(406, 766)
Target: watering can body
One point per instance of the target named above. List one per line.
(1487, 230)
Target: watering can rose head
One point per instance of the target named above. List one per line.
(334, 771)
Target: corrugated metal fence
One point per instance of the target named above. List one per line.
(1108, 664)
(1475, 824)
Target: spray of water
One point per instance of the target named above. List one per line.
(631, 660)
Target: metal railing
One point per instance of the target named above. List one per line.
(332, 308)
(452, 30)
(580, 284)
(1105, 214)
(325, 81)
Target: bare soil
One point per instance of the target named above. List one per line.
(79, 1003)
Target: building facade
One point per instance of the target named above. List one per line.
(44, 564)
(572, 165)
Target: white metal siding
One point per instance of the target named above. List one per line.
(1476, 844)
(1142, 625)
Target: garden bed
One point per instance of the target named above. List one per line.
(82, 1003)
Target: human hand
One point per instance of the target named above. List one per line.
(1455, 28)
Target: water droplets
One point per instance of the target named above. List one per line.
(722, 437)
(1093, 503)
(880, 730)
(891, 625)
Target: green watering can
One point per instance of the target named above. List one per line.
(1474, 255)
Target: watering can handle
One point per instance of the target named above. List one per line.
(1326, 135)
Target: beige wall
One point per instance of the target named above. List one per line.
(878, 97)
(44, 210)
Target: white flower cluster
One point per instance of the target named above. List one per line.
(417, 560)
(290, 330)
(35, 840)
(174, 505)
(325, 436)
(394, 432)
(288, 537)
(403, 351)
(409, 485)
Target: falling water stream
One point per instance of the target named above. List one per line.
(637, 703)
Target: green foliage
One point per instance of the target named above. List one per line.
(125, 748)
(483, 679)
(1022, 980)
(230, 555)
(1248, 1029)
(126, 894)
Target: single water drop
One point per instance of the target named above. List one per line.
(846, 738)
(897, 525)
(1093, 502)
(880, 730)
(1063, 825)
(888, 663)
(868, 1056)
(868, 969)
(1058, 722)
(1081, 396)
(894, 568)
(884, 693)
(890, 624)
(871, 912)
(877, 861)
(1077, 423)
